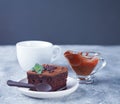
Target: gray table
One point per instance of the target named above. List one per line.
(105, 90)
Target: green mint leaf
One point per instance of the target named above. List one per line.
(38, 68)
(39, 72)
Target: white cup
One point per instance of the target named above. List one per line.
(31, 52)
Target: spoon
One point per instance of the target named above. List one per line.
(38, 87)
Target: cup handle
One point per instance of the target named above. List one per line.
(102, 64)
(56, 53)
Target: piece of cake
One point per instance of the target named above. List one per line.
(54, 75)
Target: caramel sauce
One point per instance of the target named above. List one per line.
(81, 64)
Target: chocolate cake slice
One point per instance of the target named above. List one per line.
(54, 75)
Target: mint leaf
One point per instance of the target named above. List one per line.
(38, 68)
(39, 72)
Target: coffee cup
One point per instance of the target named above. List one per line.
(33, 51)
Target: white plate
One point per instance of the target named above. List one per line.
(72, 85)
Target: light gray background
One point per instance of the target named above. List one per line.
(60, 21)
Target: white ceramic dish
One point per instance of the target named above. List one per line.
(72, 85)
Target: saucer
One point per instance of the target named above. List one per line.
(72, 85)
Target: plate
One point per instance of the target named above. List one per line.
(72, 85)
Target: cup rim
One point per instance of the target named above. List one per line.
(94, 52)
(24, 43)
(87, 51)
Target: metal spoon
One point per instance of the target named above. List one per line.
(38, 87)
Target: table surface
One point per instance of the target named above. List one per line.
(105, 89)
